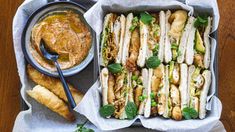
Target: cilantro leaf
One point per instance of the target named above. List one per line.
(145, 17)
(106, 110)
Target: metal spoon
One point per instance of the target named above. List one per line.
(53, 57)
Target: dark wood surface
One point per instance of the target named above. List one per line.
(9, 80)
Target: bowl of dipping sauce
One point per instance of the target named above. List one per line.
(63, 28)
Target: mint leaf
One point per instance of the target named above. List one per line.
(145, 17)
(131, 110)
(190, 113)
(106, 110)
(82, 128)
(153, 62)
(115, 68)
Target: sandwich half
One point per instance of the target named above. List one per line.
(198, 82)
(112, 39)
(151, 37)
(133, 50)
(198, 45)
(117, 91)
(174, 79)
(174, 26)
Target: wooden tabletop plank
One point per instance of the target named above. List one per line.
(227, 62)
(9, 80)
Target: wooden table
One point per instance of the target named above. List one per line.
(9, 80)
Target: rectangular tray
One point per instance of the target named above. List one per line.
(86, 78)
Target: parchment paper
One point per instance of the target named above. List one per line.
(38, 118)
(95, 17)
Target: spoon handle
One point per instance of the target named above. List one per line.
(66, 87)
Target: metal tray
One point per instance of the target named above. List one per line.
(86, 78)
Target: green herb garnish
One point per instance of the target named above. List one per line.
(152, 95)
(153, 62)
(142, 98)
(135, 23)
(156, 29)
(145, 96)
(190, 113)
(139, 81)
(134, 78)
(106, 110)
(146, 18)
(201, 22)
(131, 110)
(174, 46)
(153, 104)
(155, 50)
(115, 68)
(82, 128)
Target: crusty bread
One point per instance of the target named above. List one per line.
(53, 84)
(50, 100)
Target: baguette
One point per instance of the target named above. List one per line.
(50, 100)
(53, 84)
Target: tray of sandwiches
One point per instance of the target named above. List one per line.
(143, 64)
